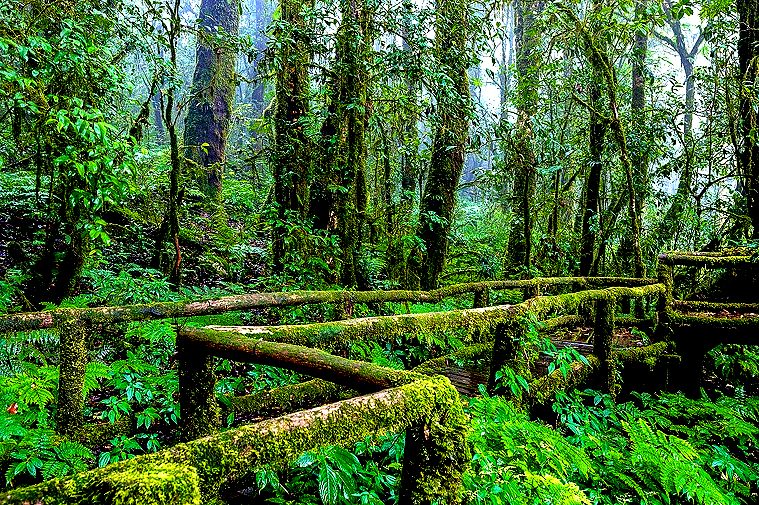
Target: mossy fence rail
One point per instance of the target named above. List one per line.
(428, 407)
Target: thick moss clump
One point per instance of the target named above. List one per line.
(160, 484)
(291, 396)
(73, 362)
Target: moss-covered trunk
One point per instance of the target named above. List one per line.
(526, 40)
(748, 56)
(212, 96)
(591, 216)
(339, 204)
(291, 154)
(451, 129)
(600, 62)
(409, 162)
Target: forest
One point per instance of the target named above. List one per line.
(376, 252)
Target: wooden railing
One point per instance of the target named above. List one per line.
(694, 335)
(397, 400)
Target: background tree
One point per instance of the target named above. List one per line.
(748, 57)
(447, 158)
(526, 43)
(212, 94)
(292, 149)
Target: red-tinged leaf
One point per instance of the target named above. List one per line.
(13, 408)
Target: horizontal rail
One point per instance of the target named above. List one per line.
(360, 375)
(164, 310)
(699, 306)
(330, 335)
(706, 260)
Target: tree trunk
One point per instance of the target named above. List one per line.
(291, 153)
(341, 200)
(527, 56)
(683, 193)
(447, 160)
(748, 55)
(600, 61)
(409, 162)
(212, 97)
(591, 215)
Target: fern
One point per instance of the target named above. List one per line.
(551, 491)
(19, 348)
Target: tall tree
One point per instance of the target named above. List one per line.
(687, 56)
(526, 40)
(591, 216)
(339, 204)
(408, 147)
(291, 153)
(748, 56)
(600, 61)
(451, 129)
(170, 226)
(212, 95)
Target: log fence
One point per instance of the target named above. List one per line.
(424, 404)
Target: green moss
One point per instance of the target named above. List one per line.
(291, 396)
(159, 484)
(713, 322)
(567, 321)
(714, 307)
(73, 361)
(727, 258)
(603, 333)
(200, 414)
(649, 355)
(93, 434)
(542, 389)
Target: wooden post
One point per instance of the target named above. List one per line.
(532, 291)
(664, 303)
(69, 417)
(507, 348)
(200, 414)
(603, 333)
(481, 298)
(434, 459)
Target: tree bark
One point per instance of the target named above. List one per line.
(591, 218)
(447, 160)
(748, 56)
(525, 176)
(212, 96)
(340, 202)
(291, 153)
(683, 193)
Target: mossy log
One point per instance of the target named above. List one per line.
(567, 321)
(731, 258)
(359, 375)
(331, 335)
(292, 396)
(222, 458)
(698, 306)
(542, 389)
(706, 321)
(111, 315)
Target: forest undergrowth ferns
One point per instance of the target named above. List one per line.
(613, 453)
